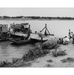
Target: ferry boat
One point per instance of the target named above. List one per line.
(39, 36)
(21, 33)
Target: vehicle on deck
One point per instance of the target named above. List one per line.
(21, 33)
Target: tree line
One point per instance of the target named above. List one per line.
(36, 17)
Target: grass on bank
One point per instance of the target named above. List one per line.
(69, 60)
(59, 53)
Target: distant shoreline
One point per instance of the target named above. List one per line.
(35, 18)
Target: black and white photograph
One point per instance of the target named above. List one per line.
(36, 37)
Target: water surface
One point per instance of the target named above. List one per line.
(56, 27)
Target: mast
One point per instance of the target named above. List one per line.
(46, 30)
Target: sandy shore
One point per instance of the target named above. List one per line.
(50, 61)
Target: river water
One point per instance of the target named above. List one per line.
(56, 27)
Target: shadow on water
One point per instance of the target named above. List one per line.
(31, 42)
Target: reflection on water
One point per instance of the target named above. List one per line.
(8, 51)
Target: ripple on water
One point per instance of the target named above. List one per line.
(8, 51)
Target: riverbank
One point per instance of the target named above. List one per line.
(60, 61)
(49, 61)
(37, 57)
(36, 52)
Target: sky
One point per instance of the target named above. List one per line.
(52, 12)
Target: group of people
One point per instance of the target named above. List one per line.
(65, 40)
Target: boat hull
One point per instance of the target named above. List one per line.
(20, 42)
